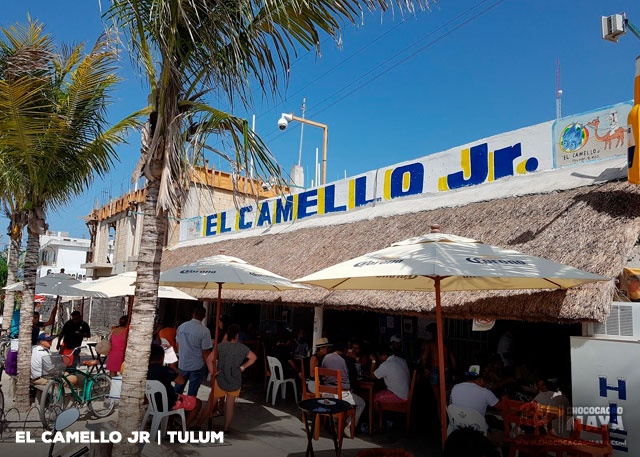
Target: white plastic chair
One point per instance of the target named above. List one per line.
(158, 417)
(277, 379)
(465, 417)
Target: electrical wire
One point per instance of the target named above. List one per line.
(315, 111)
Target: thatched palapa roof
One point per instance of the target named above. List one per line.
(592, 228)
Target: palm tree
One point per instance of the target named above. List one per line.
(54, 139)
(13, 207)
(189, 49)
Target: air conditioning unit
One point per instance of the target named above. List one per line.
(623, 322)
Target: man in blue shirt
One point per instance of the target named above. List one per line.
(193, 342)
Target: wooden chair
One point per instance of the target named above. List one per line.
(516, 415)
(306, 395)
(602, 432)
(403, 408)
(337, 391)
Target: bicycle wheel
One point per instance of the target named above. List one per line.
(51, 403)
(99, 402)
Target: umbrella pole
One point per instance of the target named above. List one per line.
(441, 375)
(215, 353)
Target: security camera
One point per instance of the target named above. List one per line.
(284, 120)
(613, 27)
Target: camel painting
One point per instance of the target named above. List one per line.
(617, 134)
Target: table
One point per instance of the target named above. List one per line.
(316, 406)
(100, 358)
(365, 384)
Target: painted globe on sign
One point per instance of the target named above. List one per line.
(574, 137)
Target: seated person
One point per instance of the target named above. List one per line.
(284, 356)
(38, 353)
(395, 373)
(302, 348)
(166, 375)
(322, 349)
(473, 392)
(550, 395)
(336, 361)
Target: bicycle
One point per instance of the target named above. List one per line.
(95, 394)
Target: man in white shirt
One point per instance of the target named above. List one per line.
(39, 352)
(473, 393)
(550, 395)
(395, 373)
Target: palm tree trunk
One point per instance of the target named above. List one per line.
(13, 256)
(144, 309)
(34, 228)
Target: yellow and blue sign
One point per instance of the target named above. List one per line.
(590, 136)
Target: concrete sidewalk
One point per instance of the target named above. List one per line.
(257, 430)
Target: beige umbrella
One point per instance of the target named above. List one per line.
(439, 262)
(220, 271)
(124, 284)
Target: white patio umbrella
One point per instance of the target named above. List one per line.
(220, 271)
(124, 284)
(439, 262)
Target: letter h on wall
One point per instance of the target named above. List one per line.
(621, 388)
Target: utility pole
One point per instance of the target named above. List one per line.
(558, 91)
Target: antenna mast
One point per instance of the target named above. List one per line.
(558, 91)
(304, 108)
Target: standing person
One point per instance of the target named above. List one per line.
(118, 339)
(336, 361)
(193, 342)
(233, 359)
(73, 332)
(37, 325)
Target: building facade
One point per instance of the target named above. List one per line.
(116, 228)
(61, 253)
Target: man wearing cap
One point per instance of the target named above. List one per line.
(396, 345)
(39, 352)
(473, 392)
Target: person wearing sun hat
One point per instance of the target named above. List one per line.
(322, 349)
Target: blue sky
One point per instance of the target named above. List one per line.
(397, 89)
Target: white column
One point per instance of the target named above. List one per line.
(317, 325)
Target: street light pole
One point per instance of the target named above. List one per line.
(325, 141)
(318, 315)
